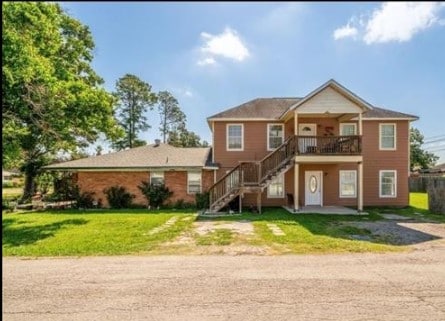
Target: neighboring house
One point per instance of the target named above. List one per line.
(438, 170)
(328, 148)
(185, 171)
(6, 176)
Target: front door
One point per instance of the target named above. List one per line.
(313, 188)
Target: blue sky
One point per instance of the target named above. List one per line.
(213, 56)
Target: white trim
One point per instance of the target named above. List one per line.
(276, 196)
(349, 124)
(227, 138)
(388, 118)
(200, 182)
(241, 119)
(380, 137)
(340, 181)
(157, 172)
(268, 131)
(395, 183)
(312, 125)
(327, 159)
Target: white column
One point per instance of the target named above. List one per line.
(296, 186)
(360, 187)
(295, 123)
(360, 127)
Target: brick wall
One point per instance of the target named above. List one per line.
(176, 181)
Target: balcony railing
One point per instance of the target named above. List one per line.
(329, 145)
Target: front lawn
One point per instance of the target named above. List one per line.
(88, 233)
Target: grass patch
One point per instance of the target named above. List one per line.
(12, 192)
(79, 233)
(216, 237)
(310, 233)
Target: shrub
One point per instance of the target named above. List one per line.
(84, 199)
(181, 204)
(44, 181)
(156, 194)
(202, 200)
(7, 184)
(118, 197)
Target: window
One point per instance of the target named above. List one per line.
(275, 136)
(193, 182)
(388, 183)
(276, 187)
(388, 136)
(348, 129)
(235, 137)
(348, 183)
(157, 178)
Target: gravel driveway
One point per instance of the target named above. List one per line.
(407, 286)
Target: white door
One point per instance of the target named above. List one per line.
(313, 188)
(307, 145)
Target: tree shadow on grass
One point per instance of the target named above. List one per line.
(25, 235)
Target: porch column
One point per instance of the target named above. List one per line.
(360, 127)
(296, 185)
(360, 187)
(295, 123)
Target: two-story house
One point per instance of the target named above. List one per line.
(330, 147)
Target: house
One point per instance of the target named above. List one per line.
(185, 171)
(330, 147)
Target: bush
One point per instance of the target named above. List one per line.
(8, 184)
(202, 200)
(85, 199)
(181, 204)
(118, 197)
(156, 195)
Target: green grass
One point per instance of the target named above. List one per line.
(310, 233)
(419, 200)
(77, 233)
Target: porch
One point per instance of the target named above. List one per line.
(325, 210)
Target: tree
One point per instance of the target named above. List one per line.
(172, 117)
(52, 100)
(420, 158)
(185, 138)
(134, 98)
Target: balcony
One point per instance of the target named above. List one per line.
(329, 145)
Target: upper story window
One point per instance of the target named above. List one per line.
(193, 182)
(157, 178)
(275, 135)
(348, 129)
(235, 139)
(388, 136)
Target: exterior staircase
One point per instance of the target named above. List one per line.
(252, 177)
(255, 176)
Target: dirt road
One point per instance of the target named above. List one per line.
(403, 286)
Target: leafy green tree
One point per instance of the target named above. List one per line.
(134, 98)
(185, 138)
(172, 117)
(52, 100)
(420, 158)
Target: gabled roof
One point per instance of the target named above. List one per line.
(149, 156)
(378, 112)
(336, 86)
(260, 108)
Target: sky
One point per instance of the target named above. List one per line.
(216, 55)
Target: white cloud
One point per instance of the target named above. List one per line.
(345, 32)
(226, 44)
(206, 61)
(393, 21)
(188, 93)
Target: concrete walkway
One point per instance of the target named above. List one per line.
(330, 210)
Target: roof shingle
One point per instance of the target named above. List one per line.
(161, 155)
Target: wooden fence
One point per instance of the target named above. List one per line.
(435, 187)
(419, 184)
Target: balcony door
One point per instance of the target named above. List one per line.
(307, 145)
